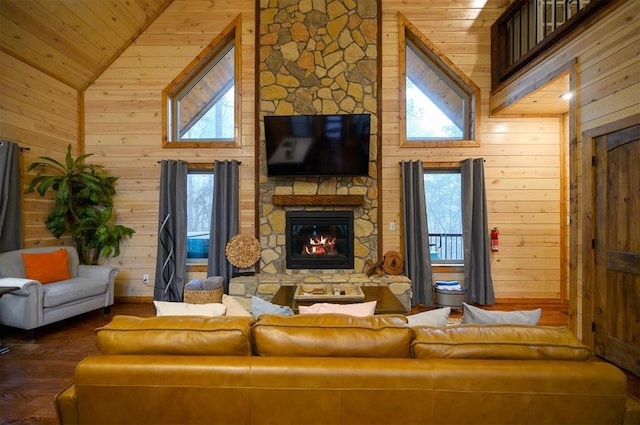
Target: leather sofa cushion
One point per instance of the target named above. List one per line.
(521, 342)
(179, 335)
(332, 335)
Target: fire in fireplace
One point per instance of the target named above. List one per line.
(319, 239)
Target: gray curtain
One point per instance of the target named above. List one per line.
(475, 233)
(416, 240)
(171, 261)
(224, 217)
(10, 197)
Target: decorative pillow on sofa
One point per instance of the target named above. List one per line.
(471, 314)
(234, 308)
(438, 317)
(356, 309)
(166, 308)
(260, 306)
(46, 267)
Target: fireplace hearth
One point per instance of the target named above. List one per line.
(319, 240)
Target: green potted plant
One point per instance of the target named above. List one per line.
(83, 205)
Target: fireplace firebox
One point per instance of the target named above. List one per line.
(319, 239)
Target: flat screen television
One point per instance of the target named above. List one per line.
(317, 145)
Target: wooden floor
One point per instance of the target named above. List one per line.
(31, 374)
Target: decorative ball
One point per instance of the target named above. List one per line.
(243, 250)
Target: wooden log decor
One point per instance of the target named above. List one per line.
(312, 200)
(393, 263)
(376, 268)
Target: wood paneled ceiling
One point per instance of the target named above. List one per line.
(545, 101)
(73, 41)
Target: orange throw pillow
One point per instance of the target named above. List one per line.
(46, 267)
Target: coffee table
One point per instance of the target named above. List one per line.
(387, 302)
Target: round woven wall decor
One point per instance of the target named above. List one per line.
(393, 263)
(243, 250)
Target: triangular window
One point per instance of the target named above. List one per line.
(201, 102)
(440, 102)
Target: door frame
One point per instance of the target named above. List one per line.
(588, 220)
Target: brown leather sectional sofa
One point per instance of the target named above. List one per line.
(337, 369)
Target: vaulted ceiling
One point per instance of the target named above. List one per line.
(73, 41)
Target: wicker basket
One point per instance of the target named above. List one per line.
(203, 297)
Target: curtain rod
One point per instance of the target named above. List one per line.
(20, 147)
(400, 162)
(200, 163)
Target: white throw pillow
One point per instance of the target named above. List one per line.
(234, 308)
(471, 314)
(357, 309)
(438, 317)
(167, 308)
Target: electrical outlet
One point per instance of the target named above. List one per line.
(145, 278)
(392, 225)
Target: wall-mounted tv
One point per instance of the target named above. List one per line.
(317, 145)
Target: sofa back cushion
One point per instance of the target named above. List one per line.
(332, 335)
(518, 342)
(179, 335)
(11, 264)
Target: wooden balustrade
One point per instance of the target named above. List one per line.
(529, 28)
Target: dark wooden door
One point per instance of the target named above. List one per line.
(617, 248)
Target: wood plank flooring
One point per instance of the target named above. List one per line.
(31, 374)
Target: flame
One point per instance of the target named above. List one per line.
(320, 244)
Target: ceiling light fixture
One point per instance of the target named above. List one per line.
(566, 96)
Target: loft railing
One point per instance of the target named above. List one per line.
(446, 247)
(527, 28)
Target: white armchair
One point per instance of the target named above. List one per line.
(35, 304)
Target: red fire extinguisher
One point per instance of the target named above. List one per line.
(495, 246)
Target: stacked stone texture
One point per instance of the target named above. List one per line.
(265, 285)
(318, 57)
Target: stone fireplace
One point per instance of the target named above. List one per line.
(319, 240)
(318, 57)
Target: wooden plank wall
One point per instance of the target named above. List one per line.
(39, 113)
(522, 155)
(123, 113)
(122, 119)
(607, 83)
